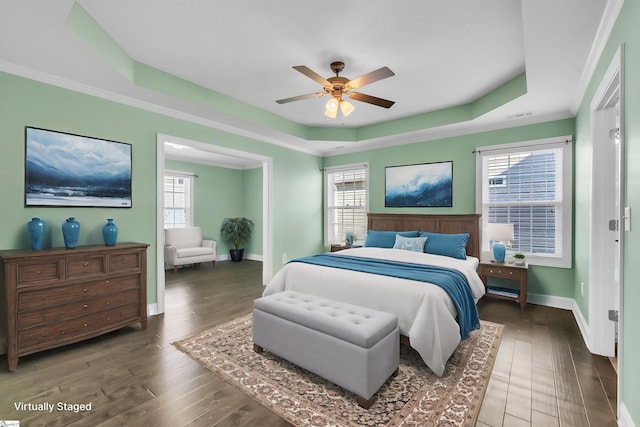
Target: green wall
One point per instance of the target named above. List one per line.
(542, 280)
(625, 31)
(297, 188)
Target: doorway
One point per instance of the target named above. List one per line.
(267, 186)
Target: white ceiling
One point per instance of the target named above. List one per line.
(444, 54)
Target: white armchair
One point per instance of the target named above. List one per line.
(185, 246)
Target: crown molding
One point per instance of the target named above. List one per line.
(610, 15)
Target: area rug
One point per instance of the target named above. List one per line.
(416, 397)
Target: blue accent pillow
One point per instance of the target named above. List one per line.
(451, 245)
(415, 244)
(385, 239)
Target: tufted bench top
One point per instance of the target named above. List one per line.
(361, 326)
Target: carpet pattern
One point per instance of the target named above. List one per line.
(416, 397)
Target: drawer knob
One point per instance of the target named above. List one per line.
(511, 272)
(108, 317)
(86, 264)
(85, 306)
(84, 290)
(108, 302)
(122, 313)
(38, 271)
(43, 334)
(62, 333)
(124, 261)
(85, 325)
(42, 298)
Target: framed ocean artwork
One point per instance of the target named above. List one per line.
(422, 185)
(64, 169)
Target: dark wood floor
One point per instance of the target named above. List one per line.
(543, 375)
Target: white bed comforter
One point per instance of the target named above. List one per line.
(425, 312)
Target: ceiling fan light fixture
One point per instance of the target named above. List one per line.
(346, 107)
(331, 108)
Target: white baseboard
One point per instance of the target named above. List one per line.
(624, 418)
(226, 257)
(566, 304)
(152, 309)
(252, 257)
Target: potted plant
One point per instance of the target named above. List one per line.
(236, 232)
(518, 258)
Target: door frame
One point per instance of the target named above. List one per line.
(267, 207)
(601, 329)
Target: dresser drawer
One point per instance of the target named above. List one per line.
(79, 328)
(127, 261)
(60, 295)
(45, 271)
(72, 310)
(84, 266)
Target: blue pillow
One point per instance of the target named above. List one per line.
(385, 239)
(415, 244)
(451, 245)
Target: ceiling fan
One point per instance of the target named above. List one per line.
(338, 86)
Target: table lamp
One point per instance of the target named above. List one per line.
(500, 234)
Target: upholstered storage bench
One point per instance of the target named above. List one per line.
(354, 347)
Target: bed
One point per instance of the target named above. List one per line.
(427, 314)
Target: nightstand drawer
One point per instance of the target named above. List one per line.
(506, 273)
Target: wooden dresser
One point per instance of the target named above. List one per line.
(60, 296)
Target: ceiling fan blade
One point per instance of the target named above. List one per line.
(312, 74)
(301, 97)
(374, 76)
(384, 103)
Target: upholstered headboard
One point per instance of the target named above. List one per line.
(464, 223)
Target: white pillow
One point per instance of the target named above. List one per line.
(415, 244)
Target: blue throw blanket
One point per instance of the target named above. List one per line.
(452, 281)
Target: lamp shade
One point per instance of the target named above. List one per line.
(500, 232)
(331, 108)
(346, 107)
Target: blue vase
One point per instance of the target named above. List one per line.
(70, 232)
(110, 233)
(36, 228)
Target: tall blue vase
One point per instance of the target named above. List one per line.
(110, 233)
(70, 232)
(36, 228)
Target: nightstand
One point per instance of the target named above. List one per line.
(517, 273)
(338, 247)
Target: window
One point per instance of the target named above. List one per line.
(346, 202)
(178, 199)
(528, 184)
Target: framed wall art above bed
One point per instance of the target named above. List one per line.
(421, 185)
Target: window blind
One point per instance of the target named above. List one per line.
(346, 202)
(527, 186)
(177, 203)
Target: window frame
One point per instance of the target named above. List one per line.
(327, 172)
(189, 215)
(564, 259)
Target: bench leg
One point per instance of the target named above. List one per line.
(365, 403)
(257, 348)
(175, 268)
(214, 264)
